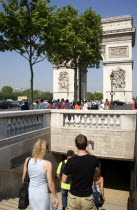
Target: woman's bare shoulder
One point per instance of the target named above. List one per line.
(27, 160)
(100, 180)
(47, 164)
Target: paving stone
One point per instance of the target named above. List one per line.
(110, 203)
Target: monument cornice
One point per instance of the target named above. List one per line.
(122, 30)
(126, 31)
(115, 19)
(116, 37)
(118, 62)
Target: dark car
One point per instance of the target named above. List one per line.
(118, 103)
(14, 103)
(20, 103)
(6, 105)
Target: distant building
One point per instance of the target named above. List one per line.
(94, 91)
(20, 98)
(15, 90)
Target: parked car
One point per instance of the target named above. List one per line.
(118, 103)
(14, 103)
(6, 105)
(20, 103)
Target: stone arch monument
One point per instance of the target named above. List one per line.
(117, 43)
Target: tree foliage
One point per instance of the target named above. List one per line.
(21, 27)
(75, 40)
(94, 96)
(7, 90)
(6, 94)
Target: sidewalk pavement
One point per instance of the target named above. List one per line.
(115, 200)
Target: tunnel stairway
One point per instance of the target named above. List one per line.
(115, 200)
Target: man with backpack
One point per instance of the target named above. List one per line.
(65, 187)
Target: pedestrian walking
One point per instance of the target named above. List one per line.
(98, 188)
(81, 168)
(65, 187)
(40, 175)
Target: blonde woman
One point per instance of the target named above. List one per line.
(98, 186)
(40, 174)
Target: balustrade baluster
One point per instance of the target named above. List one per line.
(111, 121)
(106, 122)
(99, 121)
(27, 124)
(35, 121)
(12, 132)
(9, 127)
(30, 123)
(88, 121)
(40, 121)
(72, 122)
(77, 120)
(18, 125)
(83, 120)
(118, 121)
(66, 121)
(22, 125)
(94, 121)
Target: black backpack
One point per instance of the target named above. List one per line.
(62, 171)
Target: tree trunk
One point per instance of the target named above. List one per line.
(31, 83)
(80, 83)
(75, 83)
(32, 73)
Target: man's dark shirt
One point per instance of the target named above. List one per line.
(81, 169)
(25, 107)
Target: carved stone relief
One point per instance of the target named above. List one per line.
(118, 52)
(63, 80)
(119, 78)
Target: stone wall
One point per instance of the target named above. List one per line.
(112, 134)
(16, 142)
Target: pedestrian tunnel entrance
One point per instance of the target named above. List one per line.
(117, 178)
(116, 174)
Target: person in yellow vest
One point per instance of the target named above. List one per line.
(65, 187)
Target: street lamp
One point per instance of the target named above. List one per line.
(112, 93)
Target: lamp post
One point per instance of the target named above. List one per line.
(112, 93)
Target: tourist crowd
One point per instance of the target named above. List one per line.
(65, 104)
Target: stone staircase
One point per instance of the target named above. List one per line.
(115, 200)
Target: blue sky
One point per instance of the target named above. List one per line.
(14, 69)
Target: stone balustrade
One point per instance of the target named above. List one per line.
(112, 132)
(20, 122)
(93, 121)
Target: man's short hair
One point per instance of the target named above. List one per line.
(81, 142)
(70, 153)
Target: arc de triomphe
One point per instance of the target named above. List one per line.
(117, 43)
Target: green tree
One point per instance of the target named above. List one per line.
(47, 95)
(94, 96)
(98, 96)
(90, 96)
(7, 90)
(75, 40)
(21, 27)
